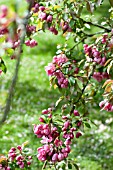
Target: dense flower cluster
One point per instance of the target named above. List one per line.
(94, 55)
(31, 43)
(56, 144)
(100, 76)
(16, 157)
(106, 105)
(55, 69)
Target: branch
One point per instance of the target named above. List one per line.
(89, 77)
(96, 25)
(44, 166)
(74, 16)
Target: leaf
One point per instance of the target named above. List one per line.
(76, 166)
(109, 81)
(71, 80)
(55, 86)
(66, 64)
(109, 67)
(111, 2)
(39, 25)
(2, 39)
(99, 2)
(108, 88)
(70, 166)
(59, 100)
(80, 10)
(56, 7)
(79, 83)
(10, 51)
(90, 7)
(107, 62)
(87, 125)
(87, 26)
(2, 66)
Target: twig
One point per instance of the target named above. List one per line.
(89, 77)
(44, 166)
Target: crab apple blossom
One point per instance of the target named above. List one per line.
(31, 43)
(53, 30)
(49, 18)
(50, 69)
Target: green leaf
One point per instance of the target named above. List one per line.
(99, 2)
(90, 7)
(10, 51)
(87, 26)
(87, 125)
(2, 66)
(111, 2)
(2, 39)
(71, 80)
(59, 100)
(70, 166)
(66, 64)
(79, 83)
(76, 166)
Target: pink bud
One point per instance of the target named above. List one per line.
(49, 109)
(22, 165)
(41, 120)
(76, 113)
(49, 18)
(78, 134)
(66, 124)
(60, 156)
(19, 147)
(55, 157)
(28, 163)
(41, 8)
(101, 104)
(0, 71)
(45, 111)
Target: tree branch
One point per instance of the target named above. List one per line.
(89, 77)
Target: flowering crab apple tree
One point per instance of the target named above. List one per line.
(81, 73)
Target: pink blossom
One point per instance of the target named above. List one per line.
(60, 59)
(50, 69)
(55, 157)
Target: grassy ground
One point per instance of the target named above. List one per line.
(93, 151)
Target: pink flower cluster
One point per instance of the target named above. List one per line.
(56, 149)
(94, 54)
(52, 149)
(100, 76)
(55, 69)
(30, 28)
(31, 43)
(105, 105)
(42, 14)
(17, 155)
(65, 26)
(4, 168)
